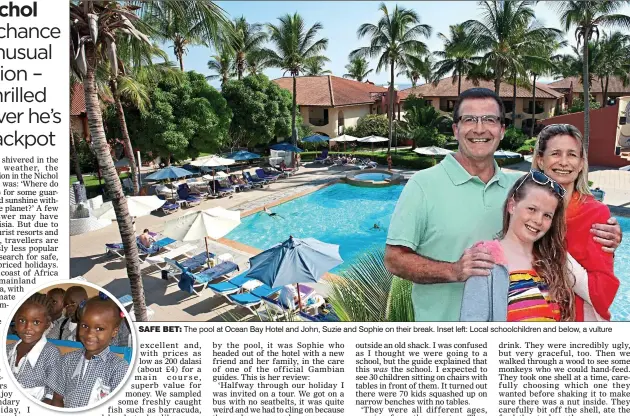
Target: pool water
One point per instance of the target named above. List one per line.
(338, 214)
(372, 176)
(621, 307)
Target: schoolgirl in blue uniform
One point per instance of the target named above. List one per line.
(89, 375)
(33, 360)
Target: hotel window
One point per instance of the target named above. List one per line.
(450, 105)
(540, 107)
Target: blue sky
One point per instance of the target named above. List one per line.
(341, 20)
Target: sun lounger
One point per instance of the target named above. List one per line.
(252, 299)
(234, 285)
(168, 207)
(194, 283)
(158, 259)
(249, 178)
(262, 175)
(273, 310)
(221, 190)
(118, 250)
(188, 265)
(239, 187)
(183, 191)
(323, 157)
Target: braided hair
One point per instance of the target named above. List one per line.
(39, 299)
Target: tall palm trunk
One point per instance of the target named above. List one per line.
(180, 58)
(240, 64)
(585, 84)
(514, 102)
(294, 133)
(459, 80)
(531, 132)
(106, 164)
(390, 110)
(497, 81)
(113, 85)
(75, 157)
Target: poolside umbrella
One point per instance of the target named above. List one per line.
(124, 162)
(212, 223)
(138, 206)
(432, 151)
(373, 139)
(294, 261)
(344, 138)
(243, 155)
(169, 172)
(212, 162)
(287, 147)
(505, 154)
(315, 138)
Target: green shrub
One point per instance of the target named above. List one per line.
(409, 160)
(513, 139)
(578, 104)
(372, 125)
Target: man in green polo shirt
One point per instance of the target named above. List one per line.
(445, 209)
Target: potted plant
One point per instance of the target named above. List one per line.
(598, 194)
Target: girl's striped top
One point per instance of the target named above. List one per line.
(528, 299)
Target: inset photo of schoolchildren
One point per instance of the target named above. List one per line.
(70, 346)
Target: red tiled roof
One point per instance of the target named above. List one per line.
(614, 85)
(330, 91)
(446, 88)
(77, 102)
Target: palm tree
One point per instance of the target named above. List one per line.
(135, 59)
(315, 66)
(394, 41)
(615, 53)
(223, 65)
(94, 27)
(357, 69)
(368, 292)
(421, 122)
(256, 62)
(543, 64)
(458, 56)
(185, 23)
(417, 68)
(507, 30)
(587, 17)
(294, 46)
(248, 38)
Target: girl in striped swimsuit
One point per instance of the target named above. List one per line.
(530, 275)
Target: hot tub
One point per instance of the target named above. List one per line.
(374, 178)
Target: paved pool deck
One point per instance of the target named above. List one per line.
(171, 304)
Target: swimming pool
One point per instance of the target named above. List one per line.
(345, 215)
(372, 176)
(621, 307)
(338, 214)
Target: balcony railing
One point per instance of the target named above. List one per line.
(317, 121)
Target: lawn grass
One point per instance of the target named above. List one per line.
(92, 180)
(91, 183)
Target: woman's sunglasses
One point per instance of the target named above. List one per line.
(543, 180)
